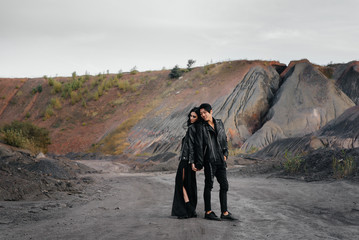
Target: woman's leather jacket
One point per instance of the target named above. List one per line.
(187, 149)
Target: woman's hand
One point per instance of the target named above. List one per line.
(194, 167)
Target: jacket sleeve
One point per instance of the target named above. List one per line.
(191, 144)
(198, 146)
(225, 142)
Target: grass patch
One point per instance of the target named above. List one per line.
(49, 112)
(292, 162)
(57, 87)
(117, 102)
(343, 167)
(75, 97)
(26, 135)
(56, 103)
(123, 85)
(208, 68)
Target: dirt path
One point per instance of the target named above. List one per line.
(30, 105)
(137, 206)
(10, 96)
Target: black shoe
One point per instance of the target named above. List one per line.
(228, 217)
(191, 211)
(182, 217)
(211, 216)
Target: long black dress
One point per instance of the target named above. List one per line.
(189, 182)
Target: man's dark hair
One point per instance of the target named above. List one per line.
(206, 107)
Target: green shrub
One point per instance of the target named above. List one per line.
(117, 102)
(108, 84)
(176, 72)
(343, 167)
(84, 104)
(74, 97)
(39, 88)
(51, 82)
(134, 87)
(66, 90)
(57, 87)
(26, 135)
(293, 162)
(95, 96)
(100, 89)
(134, 70)
(76, 84)
(123, 85)
(49, 112)
(94, 83)
(56, 103)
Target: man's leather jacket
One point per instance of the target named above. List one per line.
(211, 144)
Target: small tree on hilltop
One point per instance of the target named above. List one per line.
(190, 63)
(176, 72)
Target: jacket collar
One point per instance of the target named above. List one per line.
(209, 126)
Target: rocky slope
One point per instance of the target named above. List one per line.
(143, 114)
(340, 133)
(244, 109)
(305, 102)
(348, 81)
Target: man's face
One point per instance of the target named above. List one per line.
(205, 115)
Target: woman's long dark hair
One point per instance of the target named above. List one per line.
(196, 110)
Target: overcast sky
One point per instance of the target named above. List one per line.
(58, 37)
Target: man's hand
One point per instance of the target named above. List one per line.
(225, 158)
(194, 167)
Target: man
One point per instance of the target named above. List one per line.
(212, 150)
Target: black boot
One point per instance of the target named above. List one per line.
(191, 211)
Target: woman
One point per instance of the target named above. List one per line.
(185, 196)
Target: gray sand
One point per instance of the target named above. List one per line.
(122, 205)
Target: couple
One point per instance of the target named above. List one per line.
(204, 145)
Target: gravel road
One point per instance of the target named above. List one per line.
(120, 205)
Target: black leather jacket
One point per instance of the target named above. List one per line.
(211, 144)
(187, 149)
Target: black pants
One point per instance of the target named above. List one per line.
(218, 171)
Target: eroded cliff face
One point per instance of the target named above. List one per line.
(348, 81)
(244, 109)
(241, 110)
(340, 133)
(305, 102)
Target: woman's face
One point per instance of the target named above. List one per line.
(193, 117)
